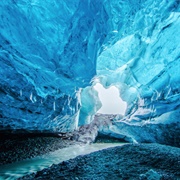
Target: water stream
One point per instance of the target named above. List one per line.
(19, 169)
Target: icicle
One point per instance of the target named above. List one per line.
(21, 92)
(31, 97)
(168, 93)
(34, 99)
(54, 106)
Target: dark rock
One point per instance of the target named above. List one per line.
(128, 162)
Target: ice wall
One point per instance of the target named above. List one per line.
(144, 61)
(49, 50)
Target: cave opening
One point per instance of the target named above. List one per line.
(110, 100)
(99, 99)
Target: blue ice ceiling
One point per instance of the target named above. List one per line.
(51, 50)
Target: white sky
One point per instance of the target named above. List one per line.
(111, 102)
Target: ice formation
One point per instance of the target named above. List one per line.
(51, 51)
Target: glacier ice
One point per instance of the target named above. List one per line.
(51, 52)
(144, 61)
(47, 54)
(90, 104)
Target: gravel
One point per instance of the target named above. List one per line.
(17, 147)
(128, 162)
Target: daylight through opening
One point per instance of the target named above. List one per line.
(110, 99)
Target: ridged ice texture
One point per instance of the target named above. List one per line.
(50, 49)
(144, 61)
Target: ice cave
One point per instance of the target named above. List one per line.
(59, 59)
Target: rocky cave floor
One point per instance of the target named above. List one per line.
(130, 161)
(17, 146)
(140, 161)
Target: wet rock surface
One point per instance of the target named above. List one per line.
(17, 146)
(140, 161)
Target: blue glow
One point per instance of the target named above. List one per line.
(51, 51)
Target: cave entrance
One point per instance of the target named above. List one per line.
(110, 99)
(97, 99)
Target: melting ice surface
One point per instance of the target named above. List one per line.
(22, 168)
(50, 52)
